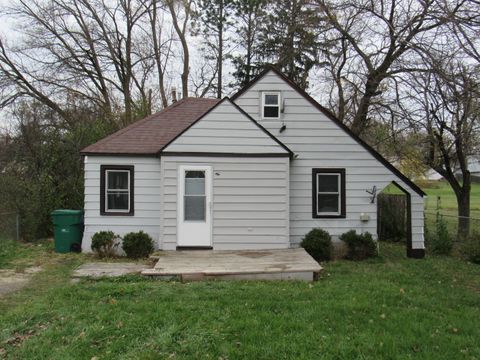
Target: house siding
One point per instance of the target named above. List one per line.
(250, 201)
(147, 199)
(225, 129)
(320, 143)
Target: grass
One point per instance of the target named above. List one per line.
(19, 255)
(447, 204)
(390, 307)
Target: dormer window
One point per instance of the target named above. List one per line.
(270, 105)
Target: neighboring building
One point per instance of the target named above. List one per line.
(432, 175)
(474, 167)
(257, 171)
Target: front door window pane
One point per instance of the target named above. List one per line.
(194, 208)
(195, 198)
(195, 183)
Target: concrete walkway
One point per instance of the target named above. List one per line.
(11, 280)
(285, 264)
(98, 270)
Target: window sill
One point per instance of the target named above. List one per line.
(112, 213)
(341, 216)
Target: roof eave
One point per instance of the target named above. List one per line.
(118, 154)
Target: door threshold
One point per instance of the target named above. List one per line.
(179, 248)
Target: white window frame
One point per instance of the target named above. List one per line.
(338, 193)
(264, 94)
(107, 190)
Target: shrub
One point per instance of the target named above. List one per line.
(440, 242)
(471, 248)
(137, 245)
(104, 243)
(318, 243)
(360, 246)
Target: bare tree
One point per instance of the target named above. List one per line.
(443, 105)
(466, 30)
(203, 78)
(380, 35)
(94, 50)
(177, 7)
(162, 47)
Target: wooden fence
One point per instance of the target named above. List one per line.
(392, 217)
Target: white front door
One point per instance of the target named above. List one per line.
(194, 206)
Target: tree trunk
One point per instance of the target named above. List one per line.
(249, 51)
(158, 56)
(128, 117)
(220, 51)
(359, 122)
(463, 202)
(183, 40)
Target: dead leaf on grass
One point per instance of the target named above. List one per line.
(17, 338)
(112, 301)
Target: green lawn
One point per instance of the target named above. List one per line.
(448, 204)
(390, 307)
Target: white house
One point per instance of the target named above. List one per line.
(257, 171)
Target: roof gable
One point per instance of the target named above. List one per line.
(226, 129)
(271, 69)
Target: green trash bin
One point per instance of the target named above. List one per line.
(68, 230)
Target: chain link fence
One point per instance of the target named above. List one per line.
(9, 226)
(435, 212)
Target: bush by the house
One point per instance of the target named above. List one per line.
(360, 246)
(104, 243)
(440, 242)
(318, 243)
(137, 245)
(471, 248)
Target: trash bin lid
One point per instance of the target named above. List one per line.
(64, 217)
(66, 212)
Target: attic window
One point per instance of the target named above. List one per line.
(271, 105)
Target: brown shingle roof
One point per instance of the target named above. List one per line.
(148, 136)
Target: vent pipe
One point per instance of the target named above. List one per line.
(174, 94)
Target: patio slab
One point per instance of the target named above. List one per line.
(284, 264)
